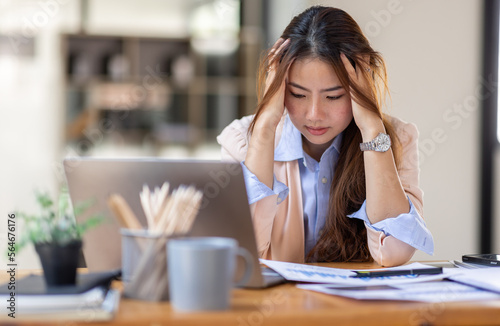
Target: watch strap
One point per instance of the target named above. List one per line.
(368, 146)
(381, 143)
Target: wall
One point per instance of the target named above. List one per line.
(432, 49)
(281, 12)
(32, 120)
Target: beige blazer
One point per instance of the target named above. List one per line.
(279, 227)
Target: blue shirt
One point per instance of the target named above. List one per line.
(316, 178)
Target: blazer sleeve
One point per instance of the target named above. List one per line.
(387, 250)
(234, 141)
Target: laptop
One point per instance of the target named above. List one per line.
(224, 211)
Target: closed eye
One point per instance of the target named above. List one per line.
(334, 97)
(297, 95)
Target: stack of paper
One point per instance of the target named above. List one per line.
(467, 285)
(443, 291)
(90, 299)
(94, 305)
(484, 278)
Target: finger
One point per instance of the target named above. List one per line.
(276, 45)
(285, 79)
(282, 46)
(281, 90)
(276, 50)
(347, 64)
(269, 78)
(274, 53)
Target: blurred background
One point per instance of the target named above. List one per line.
(161, 78)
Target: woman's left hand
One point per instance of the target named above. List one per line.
(367, 121)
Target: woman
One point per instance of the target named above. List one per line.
(329, 177)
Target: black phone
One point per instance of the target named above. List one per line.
(483, 259)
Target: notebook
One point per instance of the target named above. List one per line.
(35, 284)
(224, 210)
(89, 299)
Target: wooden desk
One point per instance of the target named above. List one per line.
(287, 305)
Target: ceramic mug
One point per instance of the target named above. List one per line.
(201, 272)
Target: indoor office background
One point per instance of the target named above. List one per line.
(121, 78)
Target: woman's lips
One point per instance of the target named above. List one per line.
(316, 131)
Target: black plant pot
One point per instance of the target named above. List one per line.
(59, 263)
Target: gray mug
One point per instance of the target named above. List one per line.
(201, 272)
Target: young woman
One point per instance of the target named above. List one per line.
(329, 176)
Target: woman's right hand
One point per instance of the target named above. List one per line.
(273, 111)
(260, 154)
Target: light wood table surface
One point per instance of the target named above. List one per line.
(287, 305)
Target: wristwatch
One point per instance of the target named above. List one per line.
(381, 143)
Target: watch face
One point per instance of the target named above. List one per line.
(382, 142)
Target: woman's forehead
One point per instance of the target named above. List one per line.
(313, 70)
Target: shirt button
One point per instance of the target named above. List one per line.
(279, 200)
(324, 180)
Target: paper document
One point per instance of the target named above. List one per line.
(484, 278)
(319, 274)
(37, 302)
(442, 291)
(51, 309)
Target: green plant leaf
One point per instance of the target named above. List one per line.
(44, 200)
(56, 223)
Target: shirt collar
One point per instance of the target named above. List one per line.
(290, 145)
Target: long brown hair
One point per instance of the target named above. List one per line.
(325, 33)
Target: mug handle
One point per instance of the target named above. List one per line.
(245, 254)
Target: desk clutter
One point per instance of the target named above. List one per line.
(200, 269)
(144, 258)
(453, 284)
(90, 299)
(147, 270)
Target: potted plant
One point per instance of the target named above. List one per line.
(56, 236)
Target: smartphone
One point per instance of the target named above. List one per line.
(483, 259)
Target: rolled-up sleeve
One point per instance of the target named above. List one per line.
(257, 190)
(264, 202)
(409, 228)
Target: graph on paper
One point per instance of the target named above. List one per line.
(319, 274)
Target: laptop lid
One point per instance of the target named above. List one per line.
(224, 210)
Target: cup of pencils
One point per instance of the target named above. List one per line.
(144, 259)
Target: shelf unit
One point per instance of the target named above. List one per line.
(154, 89)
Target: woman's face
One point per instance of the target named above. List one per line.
(317, 104)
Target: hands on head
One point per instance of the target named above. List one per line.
(275, 107)
(365, 119)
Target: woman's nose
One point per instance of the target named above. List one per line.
(316, 111)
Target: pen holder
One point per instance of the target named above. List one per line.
(144, 264)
